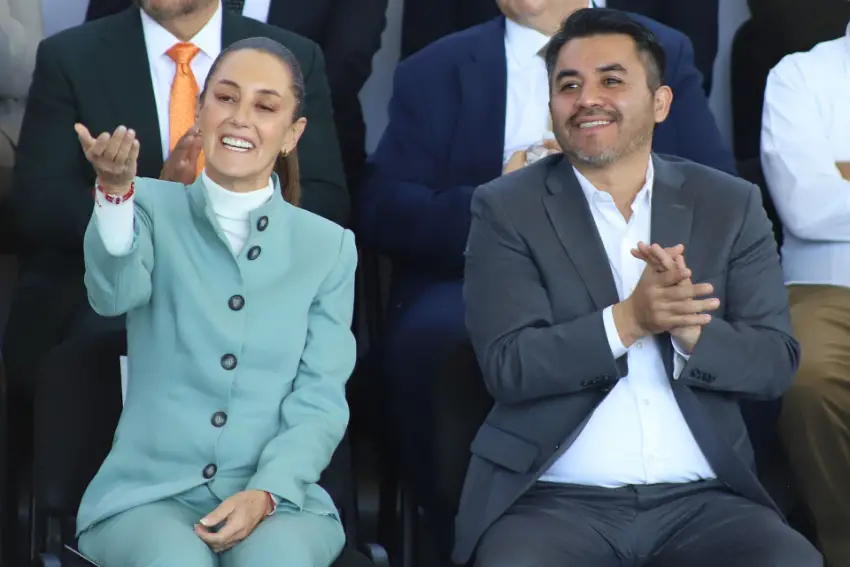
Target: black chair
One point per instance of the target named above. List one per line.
(77, 406)
(750, 169)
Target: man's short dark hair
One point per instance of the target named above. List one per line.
(589, 22)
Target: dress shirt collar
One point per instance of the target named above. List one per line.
(232, 205)
(525, 43)
(592, 194)
(159, 40)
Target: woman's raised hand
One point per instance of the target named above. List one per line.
(113, 156)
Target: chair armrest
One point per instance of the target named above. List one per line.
(376, 554)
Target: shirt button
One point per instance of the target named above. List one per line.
(262, 223)
(639, 344)
(209, 471)
(219, 418)
(236, 302)
(646, 402)
(254, 252)
(228, 362)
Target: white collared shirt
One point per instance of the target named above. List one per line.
(158, 41)
(637, 435)
(257, 9)
(805, 131)
(231, 209)
(527, 118)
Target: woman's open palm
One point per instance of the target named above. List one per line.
(114, 156)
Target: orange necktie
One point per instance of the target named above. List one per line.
(184, 95)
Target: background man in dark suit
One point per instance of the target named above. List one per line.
(464, 110)
(616, 437)
(425, 21)
(103, 74)
(349, 33)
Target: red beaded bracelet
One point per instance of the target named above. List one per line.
(116, 199)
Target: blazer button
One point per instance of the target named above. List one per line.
(585, 383)
(228, 362)
(209, 471)
(219, 418)
(262, 223)
(236, 302)
(254, 252)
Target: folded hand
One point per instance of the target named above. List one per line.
(235, 518)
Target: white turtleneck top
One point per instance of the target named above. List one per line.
(231, 209)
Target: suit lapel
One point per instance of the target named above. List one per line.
(132, 97)
(569, 213)
(672, 216)
(484, 85)
(231, 29)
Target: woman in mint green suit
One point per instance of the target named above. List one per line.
(239, 310)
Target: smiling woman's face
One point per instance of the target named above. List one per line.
(246, 119)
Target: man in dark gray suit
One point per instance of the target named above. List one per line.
(616, 438)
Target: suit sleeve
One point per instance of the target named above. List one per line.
(402, 211)
(698, 137)
(352, 39)
(314, 415)
(524, 355)
(322, 178)
(748, 352)
(118, 284)
(53, 185)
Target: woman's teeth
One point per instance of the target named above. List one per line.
(237, 144)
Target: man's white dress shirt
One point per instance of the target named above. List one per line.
(527, 109)
(805, 131)
(637, 435)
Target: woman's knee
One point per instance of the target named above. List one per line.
(294, 539)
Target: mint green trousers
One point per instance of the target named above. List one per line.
(161, 534)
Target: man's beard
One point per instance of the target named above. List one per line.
(641, 139)
(181, 8)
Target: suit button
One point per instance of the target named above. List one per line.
(585, 383)
(236, 302)
(254, 252)
(219, 418)
(209, 471)
(262, 223)
(228, 362)
(606, 389)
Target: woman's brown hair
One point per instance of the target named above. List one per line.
(286, 166)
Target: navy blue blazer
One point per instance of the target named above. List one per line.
(446, 136)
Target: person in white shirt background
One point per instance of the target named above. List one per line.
(805, 153)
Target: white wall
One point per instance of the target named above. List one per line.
(376, 94)
(733, 13)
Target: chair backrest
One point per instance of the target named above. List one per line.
(462, 404)
(77, 407)
(750, 169)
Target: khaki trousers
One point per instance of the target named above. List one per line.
(815, 422)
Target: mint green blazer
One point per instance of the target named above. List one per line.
(237, 363)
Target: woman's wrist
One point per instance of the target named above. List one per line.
(119, 190)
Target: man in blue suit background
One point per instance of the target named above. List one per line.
(463, 112)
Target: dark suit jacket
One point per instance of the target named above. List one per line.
(698, 20)
(349, 33)
(544, 354)
(98, 74)
(426, 21)
(446, 136)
